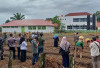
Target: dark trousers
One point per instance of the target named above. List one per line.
(65, 60)
(35, 58)
(40, 50)
(23, 55)
(55, 43)
(1, 51)
(13, 49)
(18, 49)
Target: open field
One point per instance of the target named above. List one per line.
(53, 58)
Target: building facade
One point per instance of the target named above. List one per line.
(19, 26)
(77, 21)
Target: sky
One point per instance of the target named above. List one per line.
(42, 9)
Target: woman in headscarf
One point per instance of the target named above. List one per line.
(56, 39)
(64, 51)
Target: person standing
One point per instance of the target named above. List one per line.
(18, 45)
(56, 39)
(23, 49)
(5, 37)
(64, 51)
(11, 44)
(1, 47)
(34, 46)
(41, 44)
(94, 49)
(76, 37)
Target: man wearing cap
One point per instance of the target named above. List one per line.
(79, 47)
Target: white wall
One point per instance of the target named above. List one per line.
(69, 20)
(49, 29)
(11, 29)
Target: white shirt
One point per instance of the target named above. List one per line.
(23, 46)
(94, 48)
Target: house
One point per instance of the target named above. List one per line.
(78, 21)
(26, 25)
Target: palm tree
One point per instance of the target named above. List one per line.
(18, 16)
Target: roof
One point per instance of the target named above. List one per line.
(98, 24)
(29, 22)
(78, 14)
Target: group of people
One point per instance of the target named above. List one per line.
(94, 45)
(37, 44)
(36, 41)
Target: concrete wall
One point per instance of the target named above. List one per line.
(49, 29)
(68, 20)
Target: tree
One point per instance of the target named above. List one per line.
(62, 27)
(17, 16)
(97, 15)
(7, 21)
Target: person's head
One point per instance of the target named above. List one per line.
(19, 35)
(81, 38)
(41, 34)
(94, 38)
(36, 38)
(11, 35)
(97, 37)
(76, 33)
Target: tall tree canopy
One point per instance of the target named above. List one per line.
(17, 16)
(7, 21)
(97, 15)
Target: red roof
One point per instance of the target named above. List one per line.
(98, 24)
(78, 14)
(29, 22)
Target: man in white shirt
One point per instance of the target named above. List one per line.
(94, 49)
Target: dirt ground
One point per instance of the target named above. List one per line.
(53, 58)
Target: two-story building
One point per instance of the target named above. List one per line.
(77, 21)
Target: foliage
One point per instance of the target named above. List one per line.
(17, 16)
(55, 20)
(97, 15)
(62, 27)
(7, 21)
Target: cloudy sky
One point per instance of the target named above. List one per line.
(41, 9)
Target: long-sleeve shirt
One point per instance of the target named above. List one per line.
(23, 46)
(11, 42)
(94, 49)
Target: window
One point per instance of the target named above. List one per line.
(79, 19)
(30, 28)
(12, 26)
(75, 19)
(16, 26)
(83, 19)
(8, 26)
(39, 27)
(44, 27)
(34, 27)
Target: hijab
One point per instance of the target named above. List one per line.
(64, 44)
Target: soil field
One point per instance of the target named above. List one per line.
(53, 58)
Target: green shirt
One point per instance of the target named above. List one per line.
(41, 41)
(79, 44)
(76, 38)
